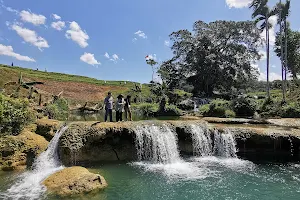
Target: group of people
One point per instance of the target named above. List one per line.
(122, 105)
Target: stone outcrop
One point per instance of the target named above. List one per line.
(17, 152)
(74, 181)
(86, 142)
(47, 128)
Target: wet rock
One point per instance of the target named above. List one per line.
(47, 127)
(74, 181)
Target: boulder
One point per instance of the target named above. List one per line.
(47, 127)
(74, 181)
(17, 152)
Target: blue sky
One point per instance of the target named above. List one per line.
(108, 39)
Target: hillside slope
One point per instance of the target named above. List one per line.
(75, 88)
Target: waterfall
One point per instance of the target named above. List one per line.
(157, 144)
(202, 144)
(224, 144)
(29, 184)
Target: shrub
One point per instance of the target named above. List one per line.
(58, 110)
(172, 110)
(217, 108)
(187, 104)
(270, 108)
(244, 106)
(146, 109)
(230, 114)
(15, 114)
(177, 96)
(204, 109)
(291, 110)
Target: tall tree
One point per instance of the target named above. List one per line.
(216, 56)
(293, 49)
(261, 14)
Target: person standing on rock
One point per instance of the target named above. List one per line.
(108, 102)
(120, 108)
(127, 108)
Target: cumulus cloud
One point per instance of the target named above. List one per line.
(272, 31)
(115, 57)
(141, 34)
(33, 18)
(263, 54)
(30, 36)
(9, 51)
(167, 43)
(106, 55)
(9, 9)
(89, 59)
(55, 16)
(238, 3)
(76, 34)
(60, 25)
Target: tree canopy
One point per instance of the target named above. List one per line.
(215, 56)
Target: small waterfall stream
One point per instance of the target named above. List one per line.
(224, 144)
(28, 185)
(157, 144)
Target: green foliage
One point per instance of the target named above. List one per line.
(171, 110)
(230, 114)
(204, 109)
(244, 106)
(58, 110)
(216, 55)
(146, 109)
(291, 110)
(218, 108)
(14, 115)
(176, 96)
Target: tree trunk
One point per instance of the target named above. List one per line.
(282, 62)
(268, 57)
(286, 51)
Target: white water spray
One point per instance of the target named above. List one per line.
(28, 185)
(224, 143)
(157, 144)
(202, 144)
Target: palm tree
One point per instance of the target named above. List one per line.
(261, 14)
(283, 12)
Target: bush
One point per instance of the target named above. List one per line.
(187, 104)
(204, 109)
(217, 108)
(177, 96)
(244, 106)
(146, 109)
(15, 114)
(172, 110)
(230, 114)
(270, 108)
(291, 110)
(58, 110)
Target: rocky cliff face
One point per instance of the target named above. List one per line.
(87, 142)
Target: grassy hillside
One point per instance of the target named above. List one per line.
(76, 88)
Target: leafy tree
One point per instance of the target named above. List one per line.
(150, 61)
(261, 14)
(216, 56)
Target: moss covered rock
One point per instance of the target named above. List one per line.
(74, 181)
(47, 127)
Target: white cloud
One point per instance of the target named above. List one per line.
(106, 55)
(167, 43)
(9, 9)
(31, 37)
(77, 35)
(89, 59)
(272, 31)
(115, 57)
(141, 34)
(9, 51)
(33, 18)
(238, 3)
(263, 54)
(134, 39)
(55, 16)
(273, 66)
(60, 25)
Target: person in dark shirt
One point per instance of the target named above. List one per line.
(108, 103)
(127, 108)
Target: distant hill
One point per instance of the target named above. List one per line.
(75, 88)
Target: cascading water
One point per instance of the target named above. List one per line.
(157, 144)
(224, 143)
(202, 144)
(29, 184)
